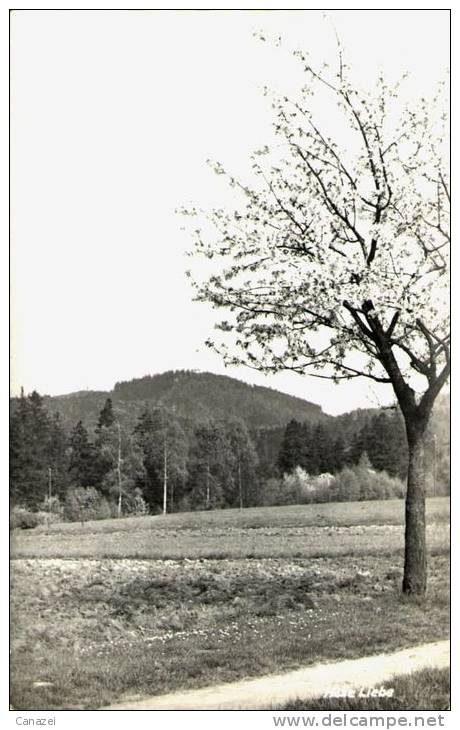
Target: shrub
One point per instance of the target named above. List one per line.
(272, 493)
(53, 511)
(86, 503)
(23, 519)
(346, 486)
(299, 487)
(296, 485)
(317, 488)
(135, 504)
(351, 484)
(362, 483)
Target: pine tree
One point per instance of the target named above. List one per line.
(58, 456)
(324, 450)
(82, 466)
(105, 445)
(338, 455)
(19, 442)
(143, 434)
(29, 463)
(358, 445)
(106, 416)
(291, 451)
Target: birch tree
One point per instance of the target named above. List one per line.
(333, 260)
(124, 470)
(164, 445)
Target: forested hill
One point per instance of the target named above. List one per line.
(191, 395)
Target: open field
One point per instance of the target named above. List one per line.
(89, 629)
(346, 528)
(381, 512)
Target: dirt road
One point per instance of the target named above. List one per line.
(314, 681)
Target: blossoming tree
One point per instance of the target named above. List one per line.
(334, 262)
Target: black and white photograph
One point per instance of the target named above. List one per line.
(229, 436)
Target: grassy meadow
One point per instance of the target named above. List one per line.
(302, 531)
(139, 606)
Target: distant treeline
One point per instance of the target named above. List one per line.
(157, 465)
(165, 462)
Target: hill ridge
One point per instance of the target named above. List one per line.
(193, 395)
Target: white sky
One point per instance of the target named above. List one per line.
(113, 117)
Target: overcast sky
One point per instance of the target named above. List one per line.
(113, 117)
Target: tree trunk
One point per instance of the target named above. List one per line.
(165, 477)
(414, 580)
(240, 484)
(119, 511)
(50, 494)
(208, 496)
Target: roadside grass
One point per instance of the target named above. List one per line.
(96, 631)
(425, 690)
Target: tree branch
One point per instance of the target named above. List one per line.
(429, 397)
(358, 320)
(331, 204)
(393, 323)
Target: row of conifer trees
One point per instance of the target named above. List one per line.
(167, 464)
